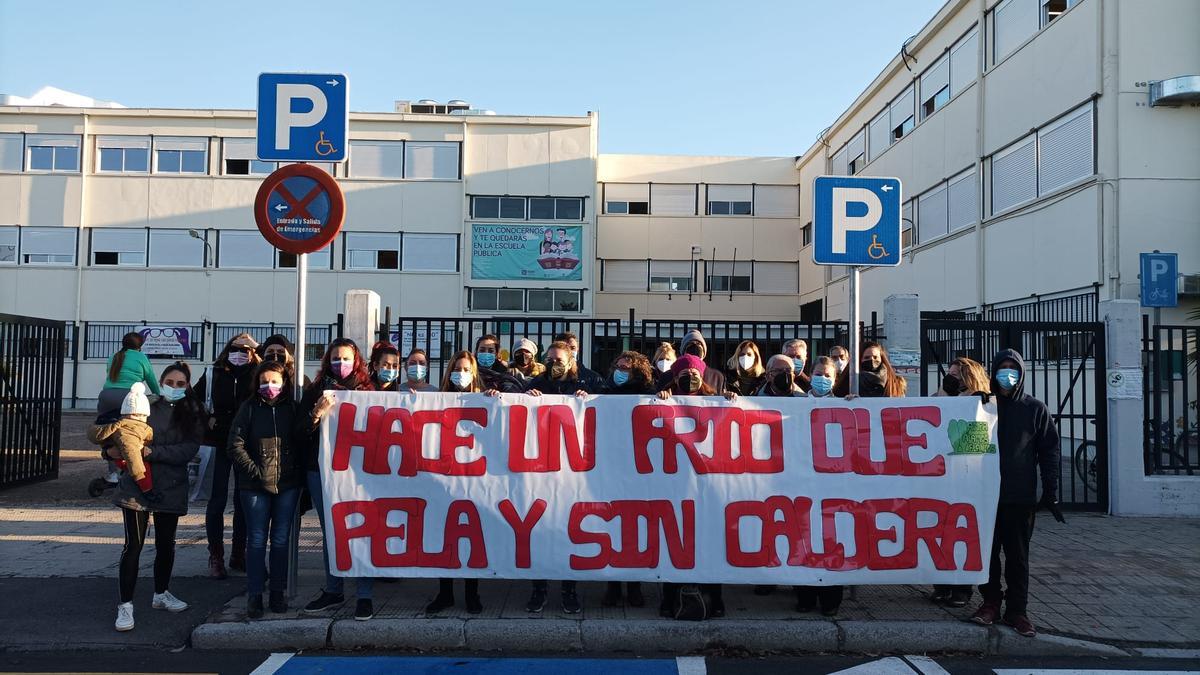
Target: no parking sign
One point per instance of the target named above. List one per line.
(299, 208)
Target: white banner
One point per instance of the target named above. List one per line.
(695, 489)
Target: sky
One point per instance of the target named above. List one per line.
(693, 78)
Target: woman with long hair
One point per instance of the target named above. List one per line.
(385, 366)
(746, 369)
(228, 385)
(125, 367)
(280, 349)
(876, 376)
(343, 368)
(179, 422)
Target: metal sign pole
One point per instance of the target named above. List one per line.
(855, 346)
(301, 306)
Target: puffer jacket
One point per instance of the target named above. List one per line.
(261, 446)
(171, 451)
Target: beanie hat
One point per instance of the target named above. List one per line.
(685, 362)
(691, 336)
(135, 402)
(281, 340)
(527, 345)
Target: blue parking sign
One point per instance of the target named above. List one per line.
(1159, 272)
(856, 221)
(302, 117)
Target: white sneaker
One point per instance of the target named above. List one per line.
(124, 617)
(168, 602)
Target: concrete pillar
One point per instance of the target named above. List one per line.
(902, 326)
(361, 319)
(1131, 492)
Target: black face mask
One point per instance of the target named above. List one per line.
(781, 382)
(952, 385)
(868, 367)
(276, 357)
(693, 349)
(522, 359)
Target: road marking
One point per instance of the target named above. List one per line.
(273, 663)
(891, 665)
(1069, 671)
(925, 665)
(691, 665)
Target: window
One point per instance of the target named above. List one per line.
(837, 164)
(180, 155)
(377, 159)
(623, 275)
(245, 249)
(1065, 150)
(555, 208)
(627, 198)
(962, 201)
(430, 160)
(1013, 21)
(430, 253)
(776, 277)
(317, 260)
(11, 149)
(806, 235)
(1051, 9)
(119, 246)
(935, 86)
(856, 153)
(964, 62)
(8, 244)
(240, 158)
(47, 246)
(728, 275)
(730, 200)
(777, 201)
(673, 200)
(670, 275)
(372, 251)
(497, 299)
(51, 152)
(907, 224)
(1014, 174)
(512, 208)
(174, 248)
(879, 135)
(931, 215)
(547, 300)
(835, 272)
(123, 154)
(901, 114)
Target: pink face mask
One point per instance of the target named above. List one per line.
(341, 369)
(269, 391)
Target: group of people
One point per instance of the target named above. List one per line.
(244, 406)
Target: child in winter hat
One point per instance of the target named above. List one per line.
(130, 435)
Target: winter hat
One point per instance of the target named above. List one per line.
(135, 402)
(691, 336)
(527, 345)
(685, 362)
(278, 339)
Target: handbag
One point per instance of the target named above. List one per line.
(200, 482)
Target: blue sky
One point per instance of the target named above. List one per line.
(702, 77)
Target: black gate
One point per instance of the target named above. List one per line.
(32, 352)
(1065, 368)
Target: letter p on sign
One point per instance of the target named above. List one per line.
(286, 119)
(844, 223)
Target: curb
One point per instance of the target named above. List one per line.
(263, 634)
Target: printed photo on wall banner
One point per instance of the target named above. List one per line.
(534, 252)
(430, 340)
(165, 341)
(694, 489)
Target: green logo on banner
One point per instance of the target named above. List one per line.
(970, 438)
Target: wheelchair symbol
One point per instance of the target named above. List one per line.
(876, 246)
(322, 144)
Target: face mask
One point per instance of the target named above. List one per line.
(664, 365)
(522, 358)
(269, 391)
(558, 370)
(746, 361)
(841, 364)
(239, 358)
(781, 382)
(574, 354)
(952, 385)
(460, 379)
(276, 357)
(620, 377)
(341, 369)
(485, 359)
(822, 385)
(797, 365)
(869, 367)
(173, 394)
(388, 374)
(417, 372)
(693, 349)
(1007, 378)
(689, 383)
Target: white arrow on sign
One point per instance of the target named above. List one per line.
(332, 83)
(280, 207)
(886, 188)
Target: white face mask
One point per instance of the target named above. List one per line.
(238, 358)
(664, 365)
(460, 379)
(746, 361)
(841, 364)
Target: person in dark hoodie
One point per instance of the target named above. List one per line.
(693, 343)
(279, 348)
(492, 370)
(1029, 444)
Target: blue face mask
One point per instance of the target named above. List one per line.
(822, 385)
(797, 365)
(460, 379)
(620, 377)
(485, 359)
(416, 372)
(173, 394)
(1007, 378)
(388, 374)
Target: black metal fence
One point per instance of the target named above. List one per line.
(31, 379)
(1073, 307)
(1170, 384)
(163, 340)
(316, 337)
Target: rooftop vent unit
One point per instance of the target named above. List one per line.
(428, 106)
(1175, 91)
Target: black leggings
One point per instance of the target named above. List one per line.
(136, 524)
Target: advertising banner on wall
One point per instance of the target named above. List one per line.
(527, 252)
(161, 341)
(693, 489)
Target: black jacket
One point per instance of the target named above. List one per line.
(170, 453)
(1028, 439)
(548, 385)
(595, 381)
(744, 385)
(500, 381)
(261, 446)
(231, 387)
(632, 387)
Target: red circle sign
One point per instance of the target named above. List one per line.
(299, 208)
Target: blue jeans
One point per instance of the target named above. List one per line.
(335, 585)
(268, 513)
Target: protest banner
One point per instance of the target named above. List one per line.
(693, 489)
